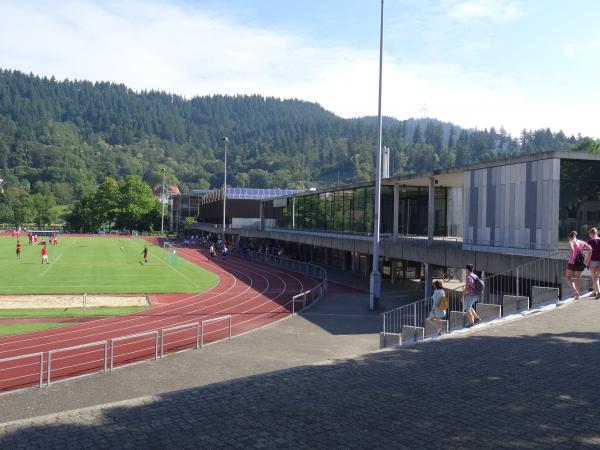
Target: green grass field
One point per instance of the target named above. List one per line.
(97, 266)
(101, 311)
(17, 328)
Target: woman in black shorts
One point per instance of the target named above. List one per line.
(576, 263)
(593, 260)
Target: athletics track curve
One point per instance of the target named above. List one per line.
(254, 294)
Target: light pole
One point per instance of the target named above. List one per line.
(226, 142)
(375, 285)
(162, 200)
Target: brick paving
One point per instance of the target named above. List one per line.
(529, 383)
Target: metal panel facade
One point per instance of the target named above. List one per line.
(513, 206)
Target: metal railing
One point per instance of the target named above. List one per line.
(33, 376)
(129, 354)
(104, 344)
(216, 319)
(518, 281)
(307, 298)
(69, 362)
(177, 330)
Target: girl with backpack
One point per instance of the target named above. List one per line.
(576, 262)
(439, 306)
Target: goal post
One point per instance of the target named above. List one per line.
(170, 257)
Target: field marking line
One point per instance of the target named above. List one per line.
(182, 275)
(51, 266)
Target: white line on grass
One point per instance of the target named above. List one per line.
(182, 275)
(53, 264)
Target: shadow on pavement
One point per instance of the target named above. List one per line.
(536, 391)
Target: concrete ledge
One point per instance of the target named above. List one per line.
(430, 330)
(540, 295)
(512, 304)
(389, 339)
(408, 334)
(457, 320)
(412, 334)
(488, 312)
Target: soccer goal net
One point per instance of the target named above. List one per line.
(170, 256)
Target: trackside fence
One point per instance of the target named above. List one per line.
(305, 299)
(72, 359)
(520, 281)
(36, 369)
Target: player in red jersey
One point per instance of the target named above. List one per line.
(45, 255)
(19, 247)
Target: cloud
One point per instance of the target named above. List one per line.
(190, 51)
(497, 11)
(581, 49)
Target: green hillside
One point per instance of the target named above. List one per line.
(63, 138)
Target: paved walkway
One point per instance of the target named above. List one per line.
(529, 383)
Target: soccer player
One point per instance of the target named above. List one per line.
(45, 254)
(145, 253)
(19, 246)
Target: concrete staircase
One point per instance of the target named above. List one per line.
(511, 304)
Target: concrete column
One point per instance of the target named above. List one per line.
(396, 209)
(428, 280)
(430, 212)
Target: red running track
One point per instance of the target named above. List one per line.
(254, 294)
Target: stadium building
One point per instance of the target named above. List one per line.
(495, 215)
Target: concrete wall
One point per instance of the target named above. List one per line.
(513, 206)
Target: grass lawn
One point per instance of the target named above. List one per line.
(70, 312)
(17, 328)
(98, 265)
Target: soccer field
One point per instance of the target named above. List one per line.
(97, 266)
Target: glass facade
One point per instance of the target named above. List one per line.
(352, 210)
(579, 205)
(413, 208)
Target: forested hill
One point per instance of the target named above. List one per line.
(64, 137)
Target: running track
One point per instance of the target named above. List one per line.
(254, 294)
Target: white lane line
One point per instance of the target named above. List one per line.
(53, 264)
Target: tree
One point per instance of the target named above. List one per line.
(6, 214)
(138, 207)
(42, 207)
(107, 201)
(19, 201)
(587, 145)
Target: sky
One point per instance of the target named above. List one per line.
(521, 64)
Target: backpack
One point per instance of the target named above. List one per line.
(443, 304)
(478, 286)
(580, 260)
